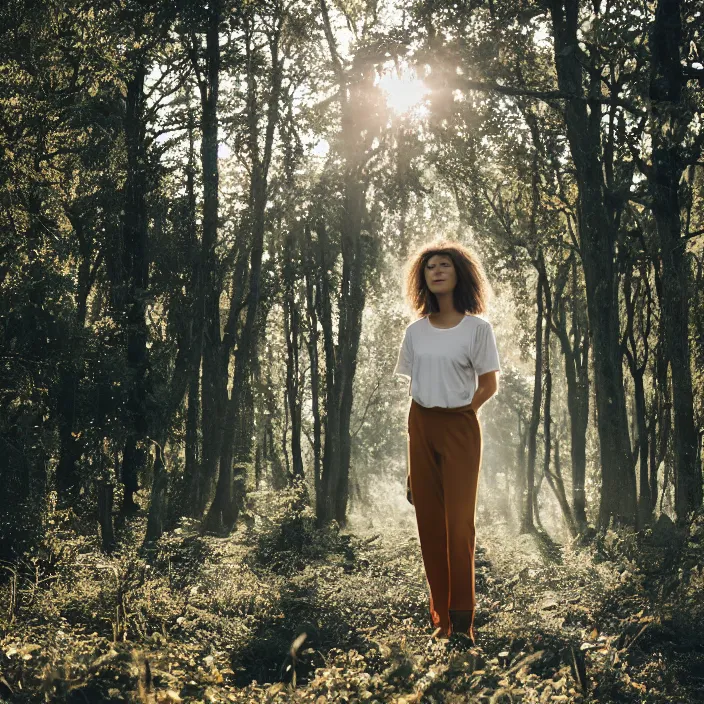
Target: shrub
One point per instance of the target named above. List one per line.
(292, 539)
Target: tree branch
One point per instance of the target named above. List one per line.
(545, 95)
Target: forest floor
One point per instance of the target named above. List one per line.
(206, 619)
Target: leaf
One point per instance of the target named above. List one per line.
(297, 643)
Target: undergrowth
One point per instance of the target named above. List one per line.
(285, 611)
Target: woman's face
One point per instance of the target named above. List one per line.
(440, 275)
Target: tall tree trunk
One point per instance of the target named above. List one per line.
(660, 420)
(293, 343)
(105, 490)
(579, 413)
(212, 401)
(661, 414)
(554, 478)
(192, 482)
(71, 444)
(597, 238)
(158, 507)
(330, 417)
(350, 331)
(637, 353)
(193, 486)
(547, 372)
(172, 400)
(312, 301)
(560, 493)
(644, 500)
(521, 467)
(527, 520)
(185, 379)
(341, 359)
(135, 264)
(574, 342)
(236, 443)
(670, 115)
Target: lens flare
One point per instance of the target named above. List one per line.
(405, 93)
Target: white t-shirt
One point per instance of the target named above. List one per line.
(444, 363)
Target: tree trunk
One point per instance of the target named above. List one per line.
(341, 359)
(212, 397)
(192, 482)
(135, 264)
(661, 414)
(597, 237)
(172, 400)
(521, 467)
(193, 487)
(554, 479)
(350, 328)
(71, 445)
(637, 353)
(575, 349)
(561, 494)
(312, 301)
(236, 442)
(527, 520)
(330, 465)
(258, 462)
(644, 499)
(547, 403)
(670, 116)
(158, 508)
(293, 343)
(236, 439)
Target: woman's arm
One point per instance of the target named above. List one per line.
(488, 385)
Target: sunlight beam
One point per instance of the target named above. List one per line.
(404, 92)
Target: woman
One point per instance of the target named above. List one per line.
(450, 356)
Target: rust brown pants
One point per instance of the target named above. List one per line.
(444, 454)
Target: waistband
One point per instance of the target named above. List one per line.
(442, 409)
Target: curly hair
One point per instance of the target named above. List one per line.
(472, 291)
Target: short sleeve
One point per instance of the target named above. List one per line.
(404, 365)
(484, 354)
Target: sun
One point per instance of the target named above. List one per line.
(405, 93)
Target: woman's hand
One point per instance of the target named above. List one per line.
(487, 386)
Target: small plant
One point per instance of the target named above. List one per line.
(180, 556)
(49, 560)
(293, 539)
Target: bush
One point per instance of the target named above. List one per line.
(181, 557)
(292, 539)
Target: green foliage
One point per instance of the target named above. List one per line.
(293, 540)
(181, 557)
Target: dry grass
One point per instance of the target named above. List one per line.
(204, 619)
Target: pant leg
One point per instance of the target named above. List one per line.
(428, 499)
(460, 463)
